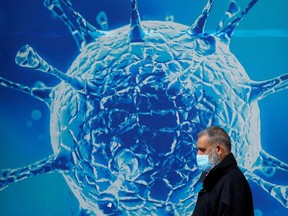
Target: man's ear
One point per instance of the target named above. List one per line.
(220, 149)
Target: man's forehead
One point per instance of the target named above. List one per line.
(204, 140)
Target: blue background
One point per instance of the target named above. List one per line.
(260, 43)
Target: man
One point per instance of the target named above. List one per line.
(225, 190)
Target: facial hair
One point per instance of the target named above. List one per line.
(214, 158)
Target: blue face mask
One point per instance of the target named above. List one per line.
(204, 163)
(207, 162)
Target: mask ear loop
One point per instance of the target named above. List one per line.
(212, 150)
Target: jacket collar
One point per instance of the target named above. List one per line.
(228, 163)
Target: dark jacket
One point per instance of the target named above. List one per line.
(225, 192)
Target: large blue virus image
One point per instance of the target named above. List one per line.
(125, 117)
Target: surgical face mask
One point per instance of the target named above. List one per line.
(207, 162)
(204, 163)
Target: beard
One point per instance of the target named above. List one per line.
(214, 158)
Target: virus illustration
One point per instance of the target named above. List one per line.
(125, 117)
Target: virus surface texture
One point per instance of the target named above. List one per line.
(125, 118)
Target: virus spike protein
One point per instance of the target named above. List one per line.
(89, 32)
(27, 57)
(232, 10)
(279, 192)
(261, 89)
(55, 7)
(136, 31)
(228, 30)
(41, 93)
(14, 175)
(198, 26)
(60, 162)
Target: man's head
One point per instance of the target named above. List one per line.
(215, 143)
